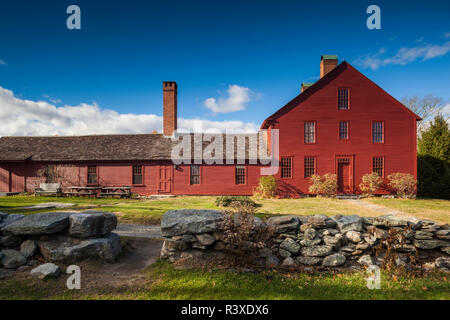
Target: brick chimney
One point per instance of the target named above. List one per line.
(169, 107)
(327, 63)
(306, 85)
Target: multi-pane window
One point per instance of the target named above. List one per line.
(239, 175)
(343, 98)
(378, 165)
(92, 175)
(378, 131)
(195, 174)
(343, 129)
(310, 132)
(310, 166)
(286, 167)
(137, 175)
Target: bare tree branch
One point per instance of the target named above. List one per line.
(426, 108)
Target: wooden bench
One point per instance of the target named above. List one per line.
(48, 189)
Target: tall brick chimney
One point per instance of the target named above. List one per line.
(327, 63)
(169, 107)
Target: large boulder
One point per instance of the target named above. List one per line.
(349, 223)
(333, 260)
(28, 248)
(94, 224)
(6, 219)
(190, 221)
(284, 224)
(39, 224)
(12, 259)
(69, 249)
(290, 245)
(320, 221)
(310, 261)
(46, 271)
(10, 241)
(430, 244)
(317, 251)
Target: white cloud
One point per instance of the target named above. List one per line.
(52, 100)
(403, 56)
(20, 117)
(2, 62)
(237, 100)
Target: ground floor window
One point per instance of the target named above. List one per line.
(240, 175)
(92, 176)
(137, 175)
(378, 165)
(286, 167)
(195, 174)
(310, 166)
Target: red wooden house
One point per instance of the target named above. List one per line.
(344, 124)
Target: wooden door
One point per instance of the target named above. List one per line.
(344, 174)
(17, 182)
(165, 179)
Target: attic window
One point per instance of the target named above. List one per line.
(343, 98)
(378, 132)
(310, 132)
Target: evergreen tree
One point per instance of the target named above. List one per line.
(435, 141)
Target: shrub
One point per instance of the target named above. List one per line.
(433, 177)
(325, 185)
(403, 184)
(370, 183)
(266, 188)
(227, 201)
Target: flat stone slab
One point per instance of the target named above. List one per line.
(49, 205)
(139, 231)
(39, 224)
(190, 221)
(46, 271)
(92, 224)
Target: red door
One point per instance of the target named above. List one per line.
(165, 179)
(345, 174)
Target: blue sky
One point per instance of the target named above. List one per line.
(257, 51)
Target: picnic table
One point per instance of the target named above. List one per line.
(123, 192)
(91, 191)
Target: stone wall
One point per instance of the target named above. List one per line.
(311, 242)
(59, 237)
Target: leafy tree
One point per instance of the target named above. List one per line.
(435, 140)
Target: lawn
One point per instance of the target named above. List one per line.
(151, 211)
(163, 281)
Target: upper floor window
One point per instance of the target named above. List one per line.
(239, 175)
(343, 98)
(92, 176)
(310, 166)
(343, 130)
(378, 165)
(286, 167)
(310, 132)
(195, 174)
(137, 175)
(378, 131)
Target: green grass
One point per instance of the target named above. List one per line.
(151, 211)
(163, 281)
(434, 209)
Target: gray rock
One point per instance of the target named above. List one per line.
(205, 239)
(309, 243)
(28, 248)
(190, 221)
(329, 232)
(10, 218)
(423, 235)
(68, 249)
(348, 223)
(362, 246)
(288, 263)
(430, 244)
(396, 221)
(10, 241)
(407, 248)
(86, 225)
(330, 240)
(443, 234)
(284, 253)
(320, 221)
(445, 249)
(333, 260)
(284, 224)
(272, 261)
(310, 233)
(442, 262)
(46, 271)
(376, 233)
(24, 268)
(310, 261)
(348, 248)
(317, 251)
(353, 236)
(49, 205)
(12, 259)
(290, 245)
(367, 260)
(39, 224)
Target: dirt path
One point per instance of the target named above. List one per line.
(381, 209)
(139, 231)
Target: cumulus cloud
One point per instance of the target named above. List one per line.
(403, 56)
(2, 62)
(237, 100)
(19, 117)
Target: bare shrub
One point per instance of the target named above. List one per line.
(404, 184)
(242, 237)
(370, 183)
(325, 185)
(266, 188)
